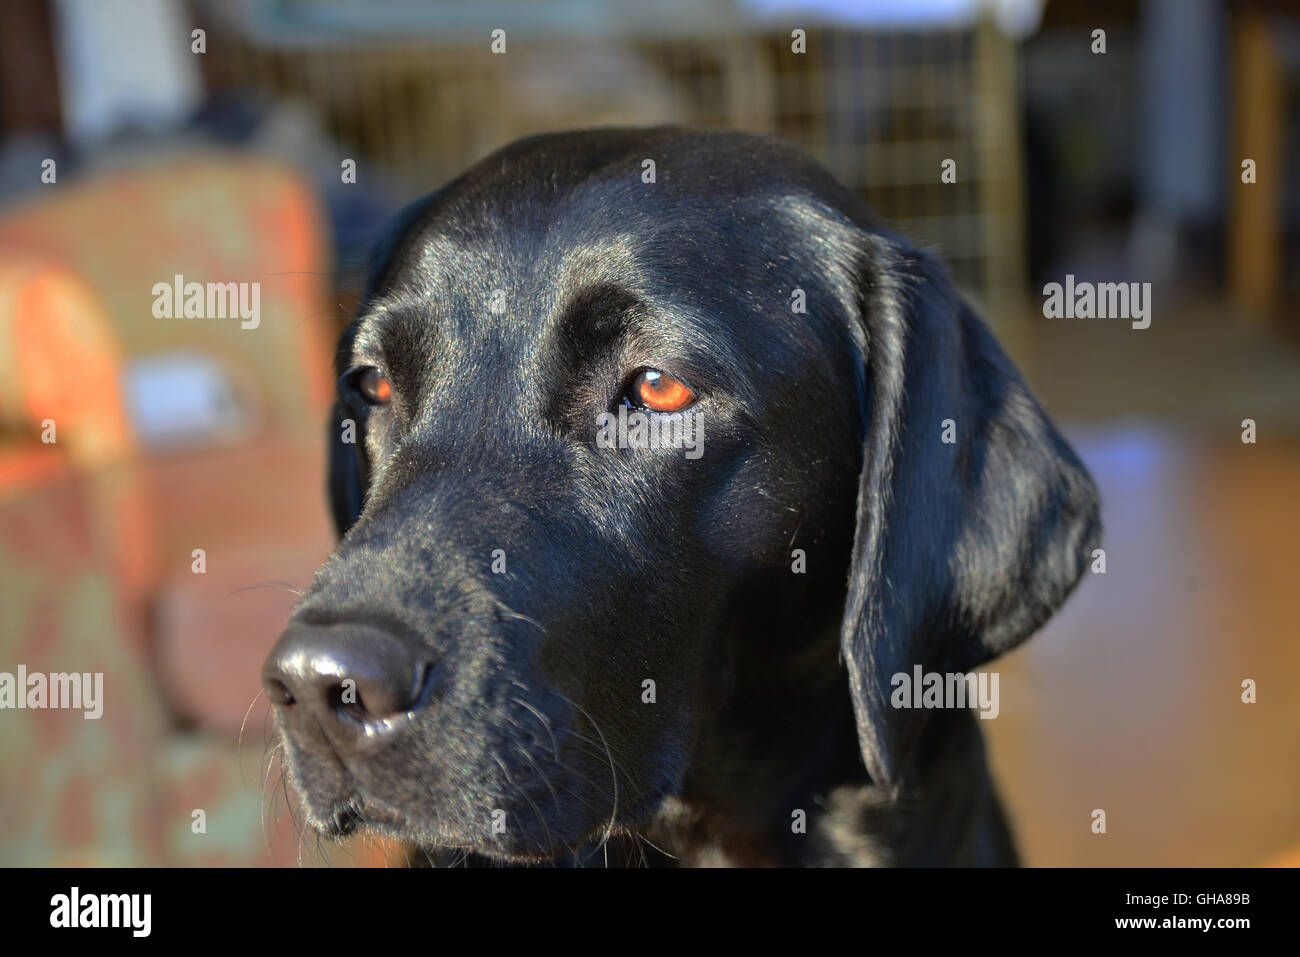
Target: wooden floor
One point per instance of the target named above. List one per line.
(1130, 700)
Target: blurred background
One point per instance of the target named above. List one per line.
(161, 480)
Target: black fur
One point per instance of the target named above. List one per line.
(822, 433)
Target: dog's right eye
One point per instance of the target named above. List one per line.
(372, 385)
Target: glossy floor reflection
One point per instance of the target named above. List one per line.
(1130, 700)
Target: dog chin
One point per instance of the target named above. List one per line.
(534, 844)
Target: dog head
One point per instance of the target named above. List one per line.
(618, 455)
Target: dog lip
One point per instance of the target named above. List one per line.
(357, 813)
(347, 820)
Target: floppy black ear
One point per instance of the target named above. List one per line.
(346, 493)
(961, 550)
(347, 460)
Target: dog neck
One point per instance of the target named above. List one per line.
(786, 785)
(832, 815)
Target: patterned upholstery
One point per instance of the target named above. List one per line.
(96, 535)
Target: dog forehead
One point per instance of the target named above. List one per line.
(490, 267)
(502, 288)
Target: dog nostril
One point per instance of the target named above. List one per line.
(368, 699)
(279, 692)
(345, 699)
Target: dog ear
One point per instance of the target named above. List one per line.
(975, 519)
(348, 468)
(346, 489)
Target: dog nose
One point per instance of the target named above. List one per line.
(346, 677)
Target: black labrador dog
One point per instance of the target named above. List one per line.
(546, 637)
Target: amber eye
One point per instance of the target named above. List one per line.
(659, 392)
(374, 386)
